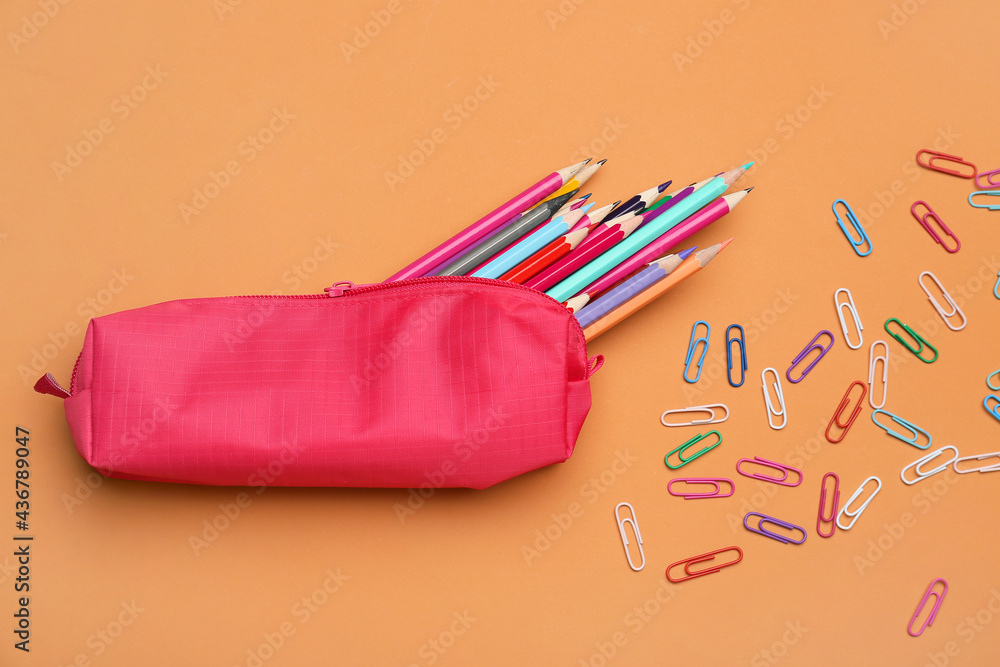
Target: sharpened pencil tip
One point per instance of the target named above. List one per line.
(602, 161)
(725, 243)
(586, 196)
(749, 189)
(664, 186)
(747, 165)
(616, 203)
(587, 161)
(684, 254)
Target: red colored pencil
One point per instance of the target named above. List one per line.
(546, 256)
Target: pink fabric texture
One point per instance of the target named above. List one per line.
(434, 382)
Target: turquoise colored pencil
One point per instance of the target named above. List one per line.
(645, 235)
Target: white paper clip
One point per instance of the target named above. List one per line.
(638, 536)
(853, 310)
(771, 412)
(921, 475)
(947, 297)
(710, 409)
(872, 363)
(844, 511)
(993, 467)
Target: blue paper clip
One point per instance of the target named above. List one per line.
(991, 207)
(853, 219)
(813, 345)
(909, 426)
(760, 530)
(692, 345)
(741, 343)
(990, 384)
(995, 410)
(996, 288)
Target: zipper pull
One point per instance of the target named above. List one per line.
(338, 289)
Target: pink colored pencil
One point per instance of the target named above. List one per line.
(663, 243)
(555, 272)
(486, 225)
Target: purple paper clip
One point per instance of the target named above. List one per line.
(990, 182)
(929, 213)
(813, 345)
(716, 481)
(775, 466)
(760, 530)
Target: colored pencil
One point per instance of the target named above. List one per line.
(577, 302)
(693, 223)
(688, 268)
(504, 236)
(620, 231)
(645, 235)
(683, 254)
(653, 273)
(546, 256)
(597, 215)
(531, 244)
(488, 224)
(578, 179)
(640, 201)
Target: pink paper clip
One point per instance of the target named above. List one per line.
(922, 219)
(716, 481)
(944, 157)
(775, 466)
(823, 518)
(938, 599)
(990, 181)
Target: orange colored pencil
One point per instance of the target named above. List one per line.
(546, 256)
(688, 268)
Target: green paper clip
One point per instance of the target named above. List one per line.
(691, 443)
(922, 341)
(992, 207)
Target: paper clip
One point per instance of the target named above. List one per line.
(638, 536)
(813, 345)
(955, 310)
(989, 384)
(775, 466)
(845, 510)
(996, 287)
(921, 475)
(822, 517)
(944, 157)
(914, 430)
(929, 213)
(710, 409)
(716, 481)
(917, 337)
(938, 599)
(872, 363)
(844, 402)
(691, 443)
(982, 457)
(703, 558)
(760, 530)
(995, 410)
(990, 181)
(853, 310)
(985, 193)
(741, 343)
(692, 344)
(853, 220)
(771, 412)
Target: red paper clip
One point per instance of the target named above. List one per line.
(990, 181)
(831, 519)
(701, 559)
(944, 157)
(775, 466)
(840, 410)
(922, 219)
(938, 599)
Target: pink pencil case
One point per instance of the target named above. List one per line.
(431, 382)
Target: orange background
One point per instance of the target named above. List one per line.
(452, 583)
